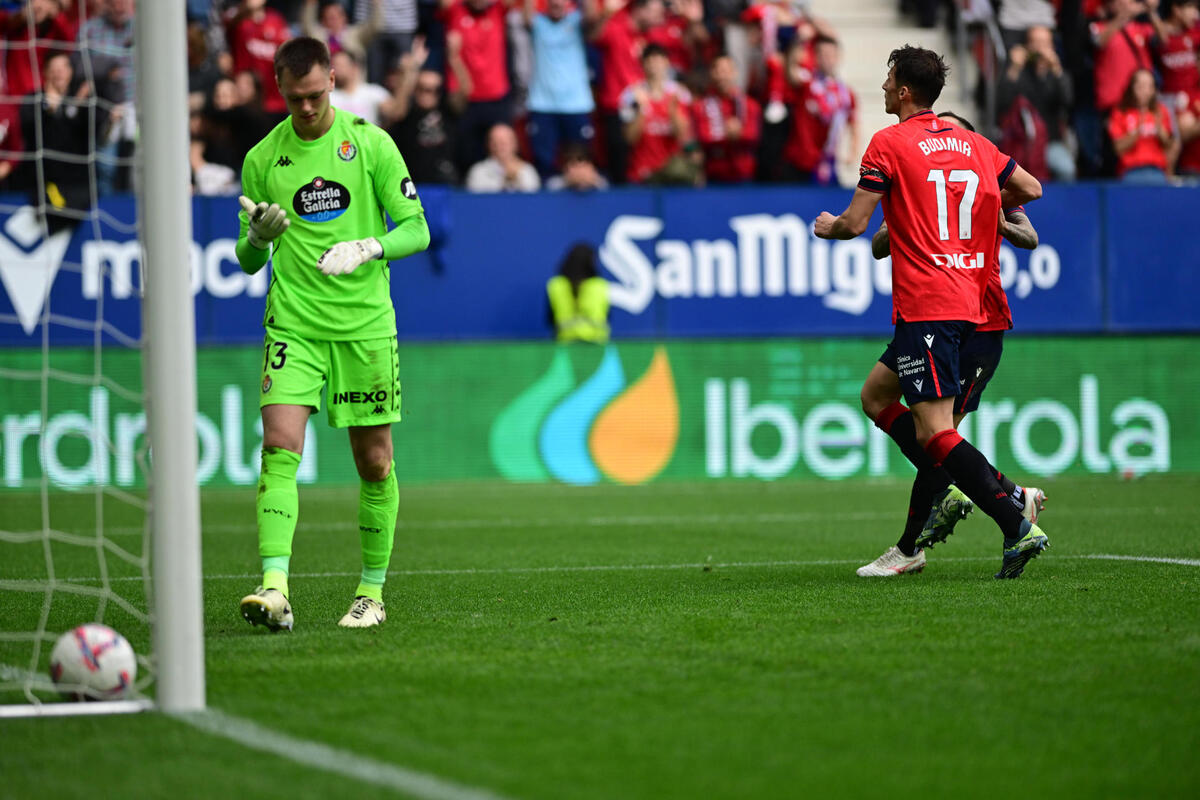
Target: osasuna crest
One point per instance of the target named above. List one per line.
(347, 151)
(408, 188)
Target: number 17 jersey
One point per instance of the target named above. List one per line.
(941, 201)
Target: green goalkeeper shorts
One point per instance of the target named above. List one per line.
(361, 378)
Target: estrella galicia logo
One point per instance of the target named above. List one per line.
(347, 151)
(321, 200)
(602, 428)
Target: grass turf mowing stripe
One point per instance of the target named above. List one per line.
(1186, 562)
(330, 759)
(614, 521)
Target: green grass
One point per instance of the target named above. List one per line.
(673, 641)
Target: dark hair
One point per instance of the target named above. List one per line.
(1127, 100)
(824, 39)
(53, 54)
(922, 71)
(654, 50)
(578, 264)
(298, 56)
(575, 151)
(963, 122)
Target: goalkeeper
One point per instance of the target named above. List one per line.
(316, 189)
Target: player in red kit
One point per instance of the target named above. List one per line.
(978, 360)
(942, 189)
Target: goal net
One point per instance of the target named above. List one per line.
(81, 347)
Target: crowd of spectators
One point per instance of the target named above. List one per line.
(1101, 88)
(521, 95)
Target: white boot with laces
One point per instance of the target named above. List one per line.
(893, 562)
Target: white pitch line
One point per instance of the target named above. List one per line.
(331, 759)
(1186, 562)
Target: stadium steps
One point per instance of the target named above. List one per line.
(869, 30)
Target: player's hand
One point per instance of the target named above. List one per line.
(345, 257)
(823, 226)
(267, 222)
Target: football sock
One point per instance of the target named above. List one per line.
(926, 486)
(277, 508)
(1015, 493)
(977, 479)
(378, 505)
(897, 422)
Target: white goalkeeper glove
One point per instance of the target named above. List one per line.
(345, 257)
(267, 222)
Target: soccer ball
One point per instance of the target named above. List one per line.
(93, 662)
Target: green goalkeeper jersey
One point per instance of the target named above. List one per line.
(334, 189)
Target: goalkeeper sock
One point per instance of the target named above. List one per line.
(277, 509)
(378, 505)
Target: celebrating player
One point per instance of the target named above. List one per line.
(942, 189)
(329, 318)
(978, 360)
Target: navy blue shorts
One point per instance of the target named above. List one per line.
(924, 355)
(977, 361)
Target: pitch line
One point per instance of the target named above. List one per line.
(331, 759)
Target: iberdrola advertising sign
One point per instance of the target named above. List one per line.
(625, 413)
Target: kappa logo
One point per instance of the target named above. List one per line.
(929, 341)
(919, 384)
(283, 161)
(29, 264)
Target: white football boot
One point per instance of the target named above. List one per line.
(1035, 501)
(892, 562)
(268, 607)
(364, 613)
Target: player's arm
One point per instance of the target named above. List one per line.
(851, 222)
(1016, 227)
(260, 223)
(881, 243)
(1020, 189)
(398, 195)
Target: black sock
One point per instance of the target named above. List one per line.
(1015, 493)
(897, 422)
(928, 484)
(977, 479)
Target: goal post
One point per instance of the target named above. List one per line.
(169, 360)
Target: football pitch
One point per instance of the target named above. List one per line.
(677, 640)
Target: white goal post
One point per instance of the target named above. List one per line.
(169, 560)
(169, 365)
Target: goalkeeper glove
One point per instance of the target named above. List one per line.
(267, 222)
(345, 257)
